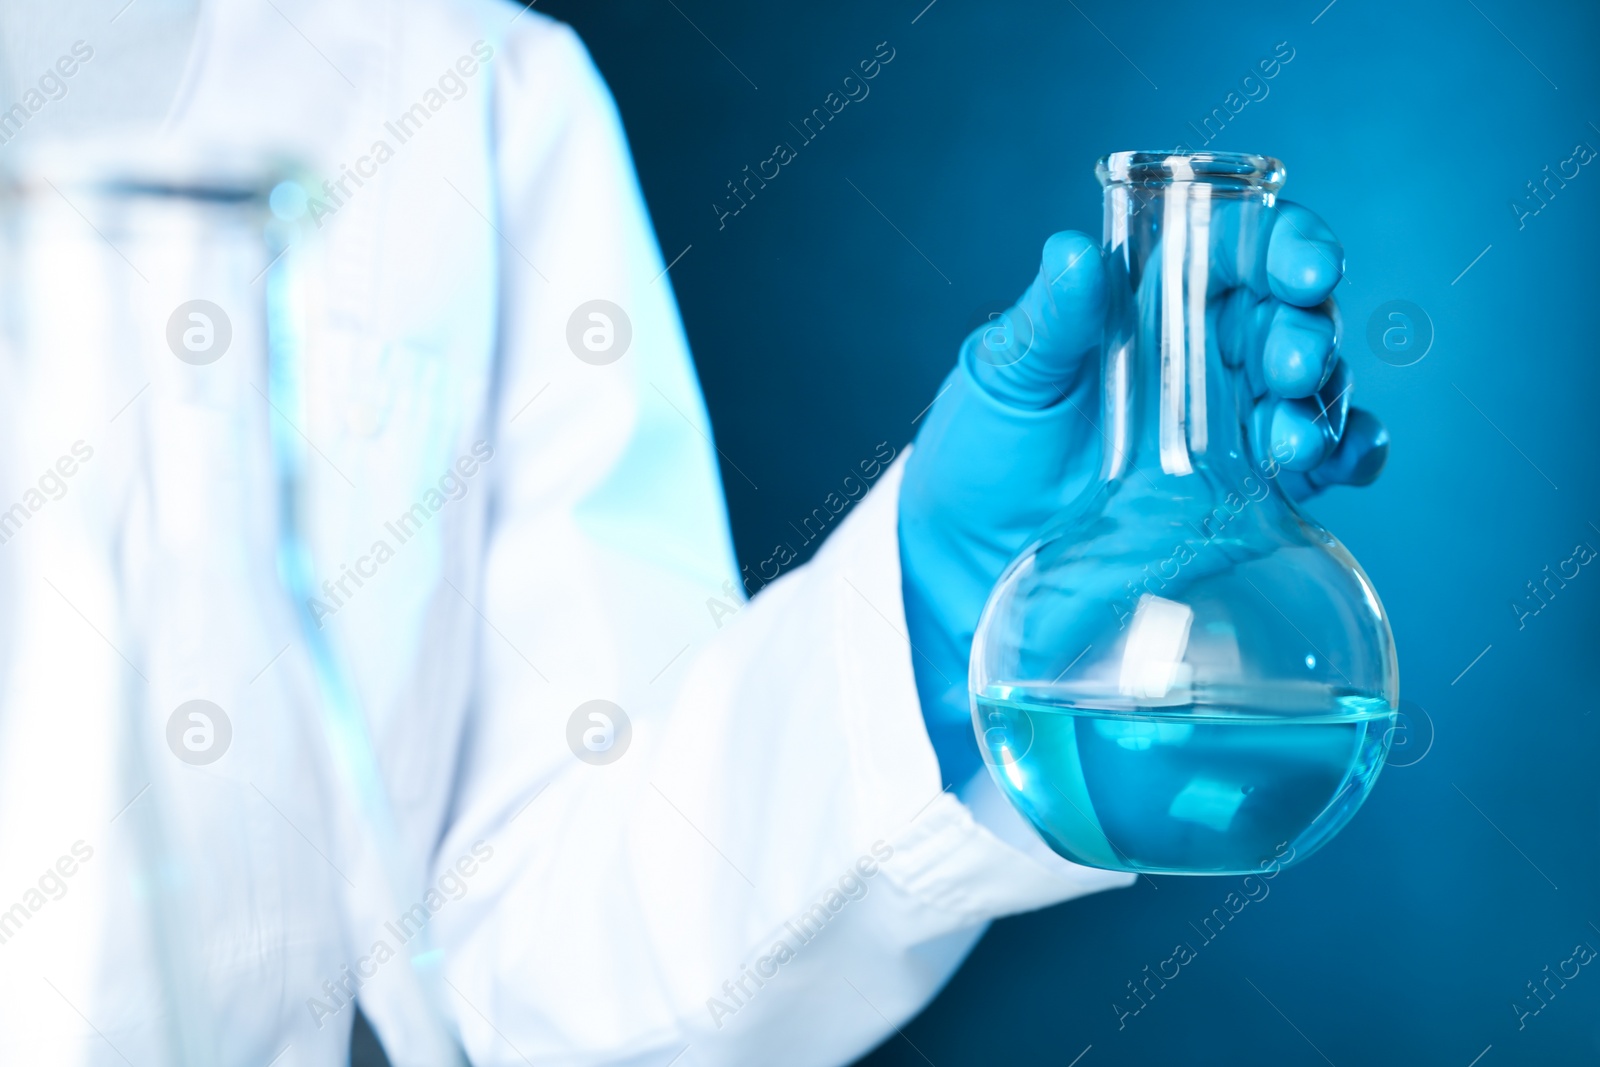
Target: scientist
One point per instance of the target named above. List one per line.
(579, 819)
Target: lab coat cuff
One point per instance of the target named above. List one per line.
(970, 856)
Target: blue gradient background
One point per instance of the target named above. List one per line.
(819, 331)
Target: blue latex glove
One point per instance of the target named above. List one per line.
(1010, 441)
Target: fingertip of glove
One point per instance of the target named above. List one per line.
(1306, 272)
(1304, 259)
(1296, 435)
(1364, 451)
(1297, 359)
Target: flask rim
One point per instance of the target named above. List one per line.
(1233, 170)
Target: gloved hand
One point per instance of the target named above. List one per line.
(1010, 441)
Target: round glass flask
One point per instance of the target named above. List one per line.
(1183, 674)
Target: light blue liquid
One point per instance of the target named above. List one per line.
(1190, 788)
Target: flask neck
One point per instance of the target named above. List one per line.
(1175, 401)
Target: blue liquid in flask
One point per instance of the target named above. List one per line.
(1188, 788)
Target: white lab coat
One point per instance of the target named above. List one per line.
(769, 873)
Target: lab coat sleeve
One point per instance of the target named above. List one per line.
(762, 867)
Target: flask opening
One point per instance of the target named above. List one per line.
(1229, 170)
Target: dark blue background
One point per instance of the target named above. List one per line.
(820, 330)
